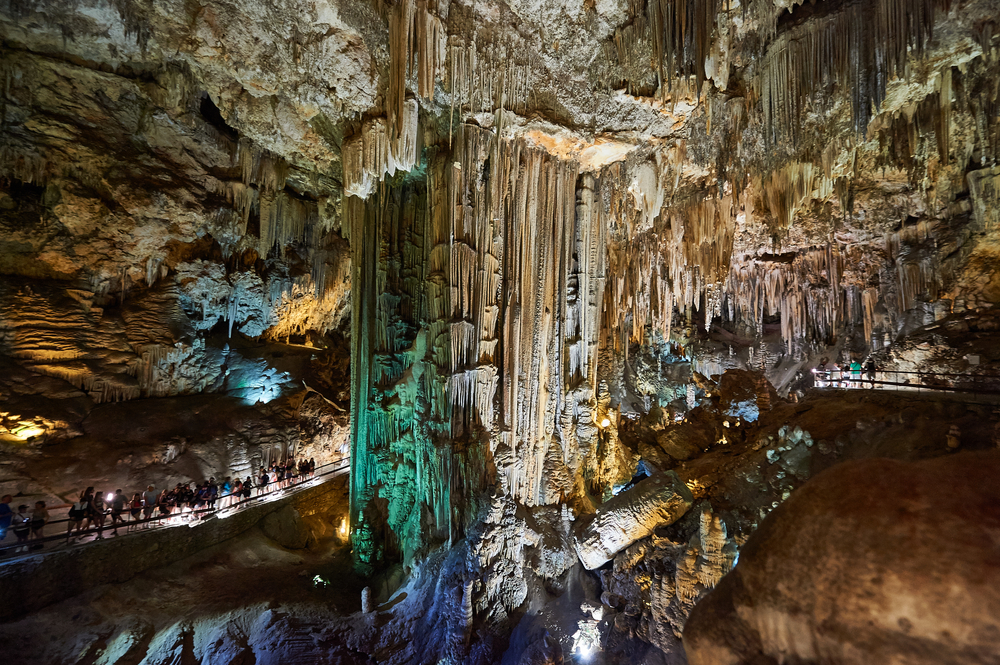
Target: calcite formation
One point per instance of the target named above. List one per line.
(657, 501)
(533, 222)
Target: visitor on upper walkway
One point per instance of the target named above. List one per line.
(149, 501)
(6, 515)
(822, 373)
(22, 527)
(855, 374)
(39, 518)
(870, 372)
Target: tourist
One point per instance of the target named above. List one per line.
(97, 509)
(39, 518)
(117, 509)
(822, 373)
(6, 515)
(312, 467)
(262, 481)
(135, 508)
(870, 371)
(163, 504)
(247, 488)
(236, 494)
(88, 496)
(855, 374)
(226, 492)
(148, 502)
(77, 512)
(22, 527)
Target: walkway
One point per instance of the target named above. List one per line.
(57, 540)
(970, 387)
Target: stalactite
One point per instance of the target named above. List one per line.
(677, 32)
(860, 48)
(283, 220)
(786, 189)
(682, 264)
(260, 167)
(373, 154)
(484, 77)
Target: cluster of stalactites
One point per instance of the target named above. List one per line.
(810, 294)
(677, 32)
(681, 264)
(917, 265)
(859, 47)
(376, 151)
(480, 76)
(475, 304)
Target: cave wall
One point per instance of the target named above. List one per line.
(527, 207)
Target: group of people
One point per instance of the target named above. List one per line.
(284, 475)
(185, 501)
(847, 375)
(26, 525)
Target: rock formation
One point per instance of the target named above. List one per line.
(514, 257)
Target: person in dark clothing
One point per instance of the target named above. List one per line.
(97, 509)
(21, 526)
(870, 372)
(77, 513)
(39, 518)
(6, 515)
(117, 511)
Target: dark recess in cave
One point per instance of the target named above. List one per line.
(213, 116)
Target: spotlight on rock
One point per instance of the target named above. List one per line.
(605, 423)
(27, 432)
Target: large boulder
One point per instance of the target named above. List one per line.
(872, 561)
(657, 501)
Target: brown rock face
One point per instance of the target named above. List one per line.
(874, 561)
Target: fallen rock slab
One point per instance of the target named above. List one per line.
(657, 501)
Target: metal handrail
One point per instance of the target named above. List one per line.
(129, 525)
(974, 384)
